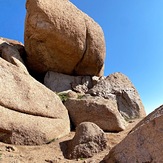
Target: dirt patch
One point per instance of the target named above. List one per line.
(55, 151)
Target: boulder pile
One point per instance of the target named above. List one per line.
(67, 48)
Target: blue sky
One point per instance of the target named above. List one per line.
(134, 39)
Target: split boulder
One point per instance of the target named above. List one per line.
(61, 38)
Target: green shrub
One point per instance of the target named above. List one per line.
(63, 96)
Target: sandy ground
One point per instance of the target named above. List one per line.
(55, 151)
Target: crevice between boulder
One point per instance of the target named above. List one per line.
(27, 113)
(84, 52)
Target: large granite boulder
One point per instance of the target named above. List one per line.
(102, 112)
(143, 144)
(128, 99)
(30, 113)
(61, 38)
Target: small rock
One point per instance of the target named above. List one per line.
(89, 140)
(10, 149)
(72, 94)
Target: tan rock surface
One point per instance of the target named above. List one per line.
(143, 144)
(23, 94)
(128, 99)
(24, 129)
(61, 38)
(89, 140)
(102, 112)
(156, 113)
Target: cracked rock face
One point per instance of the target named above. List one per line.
(143, 144)
(61, 38)
(128, 99)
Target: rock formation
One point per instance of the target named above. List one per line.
(61, 38)
(66, 47)
(115, 92)
(143, 144)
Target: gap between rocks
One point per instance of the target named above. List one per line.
(28, 113)
(84, 52)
